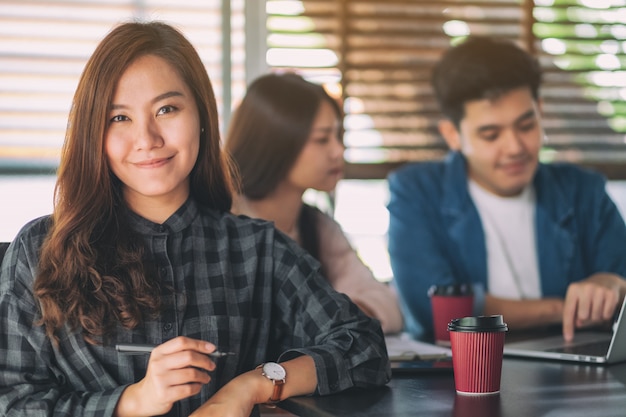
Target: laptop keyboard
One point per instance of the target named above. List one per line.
(599, 348)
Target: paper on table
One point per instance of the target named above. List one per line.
(401, 347)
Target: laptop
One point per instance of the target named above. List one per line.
(587, 346)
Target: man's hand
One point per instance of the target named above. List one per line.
(525, 314)
(591, 301)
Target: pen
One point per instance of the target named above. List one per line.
(141, 349)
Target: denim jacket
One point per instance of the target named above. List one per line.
(436, 235)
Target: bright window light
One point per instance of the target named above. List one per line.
(291, 24)
(544, 14)
(608, 79)
(607, 62)
(596, 4)
(308, 40)
(554, 46)
(363, 138)
(456, 28)
(357, 155)
(610, 47)
(585, 31)
(358, 121)
(353, 105)
(563, 63)
(606, 108)
(296, 57)
(618, 31)
(289, 7)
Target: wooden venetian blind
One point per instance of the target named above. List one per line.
(378, 56)
(580, 45)
(45, 44)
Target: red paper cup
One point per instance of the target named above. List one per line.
(477, 406)
(477, 344)
(449, 302)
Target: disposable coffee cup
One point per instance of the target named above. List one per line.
(477, 406)
(449, 302)
(477, 345)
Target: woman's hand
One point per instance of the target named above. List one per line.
(235, 399)
(177, 369)
(238, 397)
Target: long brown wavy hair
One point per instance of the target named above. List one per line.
(93, 274)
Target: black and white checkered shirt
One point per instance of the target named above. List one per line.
(237, 283)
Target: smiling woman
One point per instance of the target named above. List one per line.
(141, 248)
(153, 137)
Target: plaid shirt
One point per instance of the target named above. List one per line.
(237, 283)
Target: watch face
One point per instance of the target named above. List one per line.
(274, 371)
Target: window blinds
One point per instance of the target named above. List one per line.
(384, 52)
(44, 46)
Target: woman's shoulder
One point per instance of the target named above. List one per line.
(35, 231)
(257, 237)
(238, 222)
(24, 251)
(333, 242)
(326, 225)
(240, 227)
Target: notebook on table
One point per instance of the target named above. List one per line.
(411, 356)
(591, 347)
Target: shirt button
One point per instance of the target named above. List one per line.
(167, 327)
(162, 229)
(163, 271)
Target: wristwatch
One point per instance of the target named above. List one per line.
(277, 374)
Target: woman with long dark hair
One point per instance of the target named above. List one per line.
(141, 249)
(286, 137)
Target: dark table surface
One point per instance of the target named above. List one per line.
(529, 388)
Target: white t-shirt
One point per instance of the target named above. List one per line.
(509, 227)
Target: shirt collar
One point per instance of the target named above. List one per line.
(177, 222)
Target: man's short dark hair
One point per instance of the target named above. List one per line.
(479, 68)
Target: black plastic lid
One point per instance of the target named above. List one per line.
(450, 290)
(478, 324)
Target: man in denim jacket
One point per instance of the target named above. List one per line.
(541, 244)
